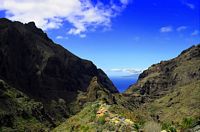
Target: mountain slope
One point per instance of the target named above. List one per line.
(34, 65)
(43, 85)
(18, 112)
(32, 62)
(169, 92)
(162, 77)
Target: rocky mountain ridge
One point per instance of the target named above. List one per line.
(165, 75)
(34, 65)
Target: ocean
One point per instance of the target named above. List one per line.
(122, 83)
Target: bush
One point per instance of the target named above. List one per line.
(172, 129)
(152, 127)
(101, 120)
(188, 122)
(84, 128)
(137, 127)
(168, 127)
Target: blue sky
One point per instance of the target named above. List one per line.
(120, 36)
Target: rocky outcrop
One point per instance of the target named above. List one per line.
(169, 92)
(97, 91)
(160, 78)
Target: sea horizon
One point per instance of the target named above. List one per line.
(122, 83)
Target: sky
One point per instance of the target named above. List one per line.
(122, 37)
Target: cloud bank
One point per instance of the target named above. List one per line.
(123, 71)
(52, 14)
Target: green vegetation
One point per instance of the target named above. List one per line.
(168, 127)
(137, 127)
(82, 121)
(167, 94)
(176, 100)
(170, 91)
(188, 122)
(123, 111)
(16, 111)
(105, 120)
(102, 120)
(84, 128)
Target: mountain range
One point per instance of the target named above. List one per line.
(44, 87)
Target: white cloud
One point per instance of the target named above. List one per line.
(82, 35)
(125, 71)
(61, 37)
(124, 1)
(51, 14)
(181, 28)
(191, 6)
(195, 33)
(166, 29)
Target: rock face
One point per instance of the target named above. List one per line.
(33, 63)
(169, 91)
(164, 76)
(97, 91)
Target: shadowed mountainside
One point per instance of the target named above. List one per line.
(41, 70)
(33, 63)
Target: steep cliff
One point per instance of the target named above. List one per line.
(37, 66)
(34, 65)
(164, 76)
(170, 90)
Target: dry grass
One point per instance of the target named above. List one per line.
(152, 127)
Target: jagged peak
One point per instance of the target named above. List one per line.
(31, 24)
(23, 28)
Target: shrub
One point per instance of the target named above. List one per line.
(152, 127)
(168, 127)
(172, 129)
(84, 128)
(101, 120)
(137, 127)
(188, 122)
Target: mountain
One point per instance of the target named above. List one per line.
(37, 72)
(164, 76)
(44, 87)
(170, 90)
(165, 97)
